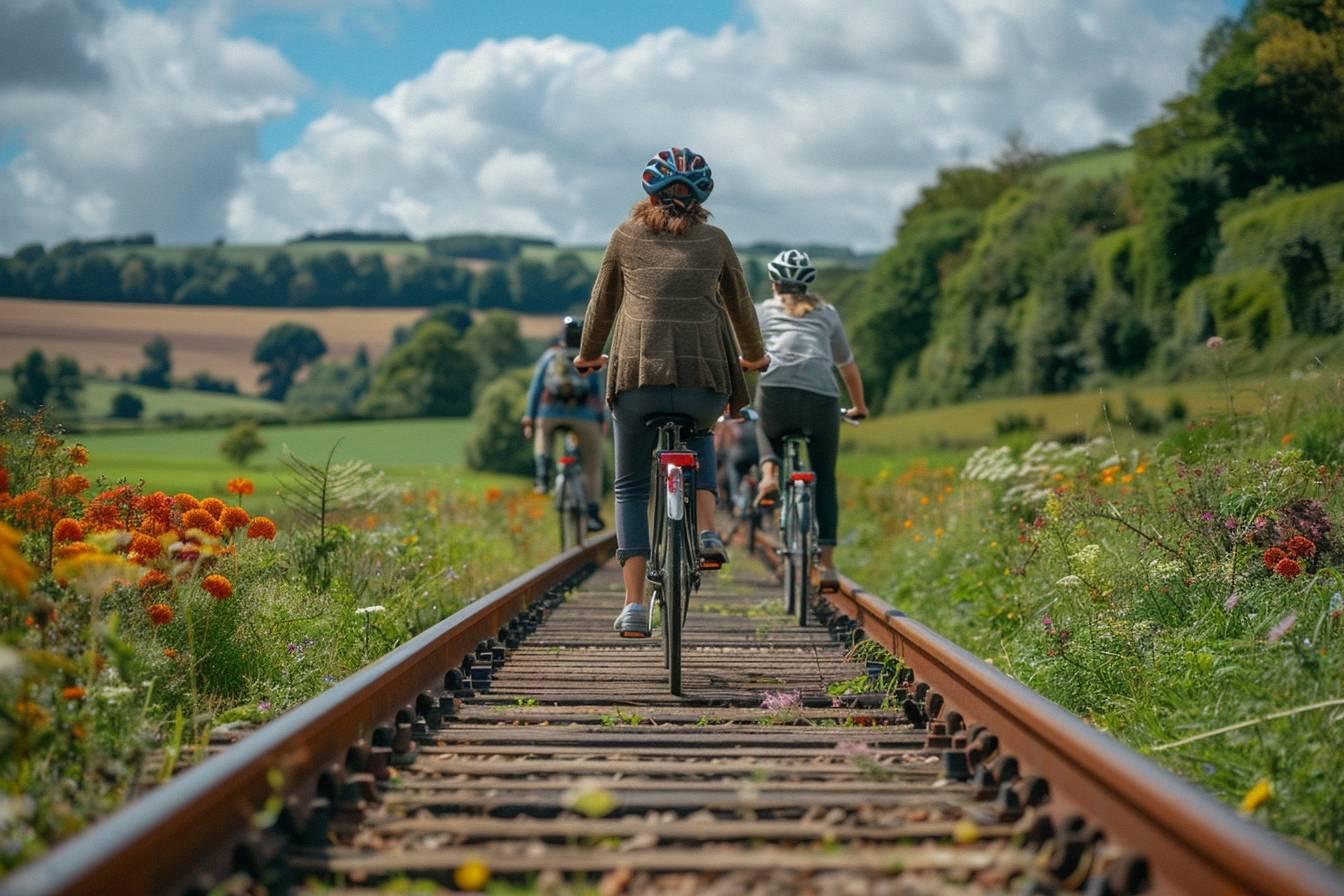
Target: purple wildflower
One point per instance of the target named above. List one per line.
(1281, 627)
(1232, 600)
(782, 701)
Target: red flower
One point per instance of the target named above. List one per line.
(74, 692)
(1288, 568)
(78, 454)
(4, 480)
(1272, 557)
(233, 518)
(160, 614)
(75, 483)
(152, 580)
(68, 530)
(112, 509)
(241, 485)
(217, 586)
(156, 511)
(261, 527)
(1301, 547)
(170, 653)
(214, 506)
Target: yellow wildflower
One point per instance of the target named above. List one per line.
(93, 575)
(472, 875)
(1257, 796)
(14, 570)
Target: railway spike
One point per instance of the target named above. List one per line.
(955, 722)
(956, 765)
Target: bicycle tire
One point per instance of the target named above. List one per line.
(675, 582)
(803, 579)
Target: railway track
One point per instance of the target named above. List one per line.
(519, 741)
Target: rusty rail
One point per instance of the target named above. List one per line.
(156, 844)
(1192, 843)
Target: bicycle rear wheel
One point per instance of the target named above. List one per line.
(676, 582)
(802, 555)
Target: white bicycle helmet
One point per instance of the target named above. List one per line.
(792, 267)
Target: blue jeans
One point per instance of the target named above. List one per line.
(635, 442)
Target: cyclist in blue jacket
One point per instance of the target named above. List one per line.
(561, 397)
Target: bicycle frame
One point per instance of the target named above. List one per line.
(797, 527)
(571, 499)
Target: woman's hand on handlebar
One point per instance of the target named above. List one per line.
(590, 365)
(760, 364)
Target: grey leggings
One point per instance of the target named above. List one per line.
(635, 442)
(786, 410)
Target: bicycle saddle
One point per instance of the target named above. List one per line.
(683, 420)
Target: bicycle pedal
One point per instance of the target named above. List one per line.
(829, 588)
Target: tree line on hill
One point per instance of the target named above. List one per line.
(1006, 280)
(79, 271)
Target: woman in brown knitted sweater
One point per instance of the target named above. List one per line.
(671, 295)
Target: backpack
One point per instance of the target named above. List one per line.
(562, 382)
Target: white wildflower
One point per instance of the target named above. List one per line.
(1070, 581)
(372, 608)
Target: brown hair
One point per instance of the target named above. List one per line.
(798, 304)
(660, 219)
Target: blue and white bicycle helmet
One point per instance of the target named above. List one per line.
(792, 268)
(679, 165)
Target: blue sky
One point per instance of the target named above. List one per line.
(258, 120)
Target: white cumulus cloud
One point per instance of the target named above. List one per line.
(821, 120)
(154, 139)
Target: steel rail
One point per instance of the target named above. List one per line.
(156, 844)
(1193, 843)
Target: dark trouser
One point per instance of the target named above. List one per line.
(739, 463)
(635, 442)
(785, 411)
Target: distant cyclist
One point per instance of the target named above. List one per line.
(563, 398)
(671, 294)
(738, 452)
(806, 339)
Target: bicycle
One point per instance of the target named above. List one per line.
(571, 496)
(674, 561)
(798, 544)
(745, 511)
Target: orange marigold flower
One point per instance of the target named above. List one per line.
(112, 509)
(261, 527)
(184, 501)
(160, 614)
(153, 579)
(217, 586)
(75, 483)
(241, 485)
(1272, 557)
(68, 530)
(145, 547)
(47, 444)
(74, 692)
(200, 518)
(79, 455)
(493, 494)
(1301, 547)
(234, 518)
(170, 653)
(213, 505)
(1288, 568)
(157, 508)
(74, 549)
(33, 511)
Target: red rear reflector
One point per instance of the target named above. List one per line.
(567, 460)
(678, 458)
(804, 477)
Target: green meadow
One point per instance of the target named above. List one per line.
(423, 452)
